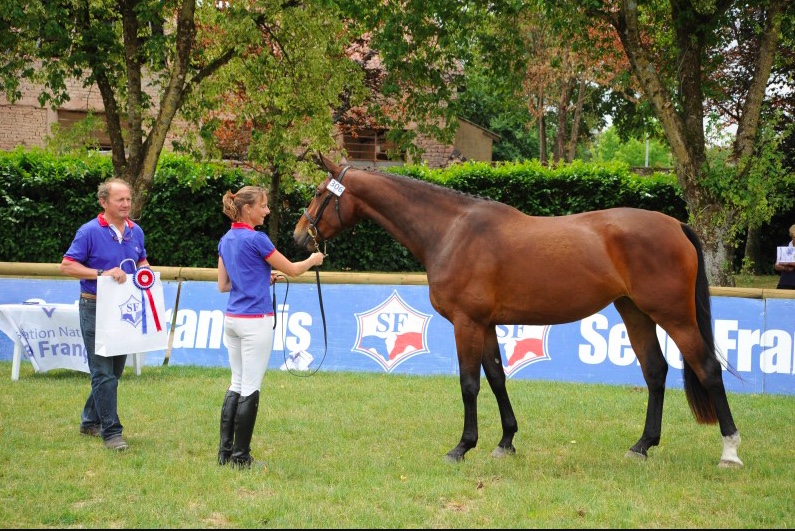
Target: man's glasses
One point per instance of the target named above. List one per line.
(127, 236)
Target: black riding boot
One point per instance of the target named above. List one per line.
(228, 412)
(244, 428)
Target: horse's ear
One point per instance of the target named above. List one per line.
(326, 163)
(319, 160)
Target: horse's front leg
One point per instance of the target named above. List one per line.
(469, 344)
(495, 374)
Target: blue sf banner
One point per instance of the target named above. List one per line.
(394, 329)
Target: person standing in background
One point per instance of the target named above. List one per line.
(787, 270)
(98, 249)
(246, 260)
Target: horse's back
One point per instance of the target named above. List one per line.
(639, 254)
(546, 270)
(647, 250)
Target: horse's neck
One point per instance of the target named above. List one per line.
(412, 212)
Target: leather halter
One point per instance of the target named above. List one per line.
(313, 230)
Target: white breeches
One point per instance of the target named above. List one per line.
(249, 342)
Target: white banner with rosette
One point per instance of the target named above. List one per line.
(130, 316)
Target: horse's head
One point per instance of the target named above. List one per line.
(323, 218)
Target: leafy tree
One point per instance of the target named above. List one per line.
(730, 88)
(565, 79)
(276, 96)
(426, 48)
(675, 48)
(609, 146)
(345, 66)
(278, 68)
(494, 105)
(145, 56)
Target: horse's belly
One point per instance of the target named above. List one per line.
(564, 308)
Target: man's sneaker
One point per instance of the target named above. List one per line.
(116, 443)
(91, 431)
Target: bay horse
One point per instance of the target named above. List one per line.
(489, 264)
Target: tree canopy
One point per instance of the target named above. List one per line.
(282, 67)
(677, 50)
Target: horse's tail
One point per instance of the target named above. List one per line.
(698, 398)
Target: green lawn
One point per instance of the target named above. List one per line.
(365, 450)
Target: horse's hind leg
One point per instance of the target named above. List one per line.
(642, 332)
(705, 390)
(495, 375)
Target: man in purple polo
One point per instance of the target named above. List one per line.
(98, 249)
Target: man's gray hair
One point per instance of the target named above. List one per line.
(103, 191)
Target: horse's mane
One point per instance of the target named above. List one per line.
(443, 190)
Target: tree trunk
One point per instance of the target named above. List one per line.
(682, 116)
(274, 201)
(564, 98)
(715, 233)
(748, 124)
(542, 139)
(130, 28)
(542, 131)
(575, 123)
(753, 250)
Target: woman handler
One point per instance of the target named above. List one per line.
(246, 260)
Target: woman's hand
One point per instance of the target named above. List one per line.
(317, 258)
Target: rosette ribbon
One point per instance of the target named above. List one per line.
(144, 279)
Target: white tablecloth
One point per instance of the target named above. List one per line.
(49, 336)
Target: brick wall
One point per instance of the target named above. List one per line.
(435, 155)
(22, 126)
(26, 123)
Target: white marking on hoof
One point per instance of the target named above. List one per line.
(635, 455)
(729, 459)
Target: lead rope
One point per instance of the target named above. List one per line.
(276, 313)
(284, 334)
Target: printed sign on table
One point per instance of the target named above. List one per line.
(49, 334)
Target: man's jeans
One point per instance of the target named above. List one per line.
(100, 409)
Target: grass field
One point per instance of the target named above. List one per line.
(365, 450)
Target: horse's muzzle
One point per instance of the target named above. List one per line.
(304, 240)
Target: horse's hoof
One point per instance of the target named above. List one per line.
(450, 458)
(503, 452)
(730, 464)
(635, 455)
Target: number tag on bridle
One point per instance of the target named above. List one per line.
(335, 187)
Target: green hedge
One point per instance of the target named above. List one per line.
(44, 199)
(539, 190)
